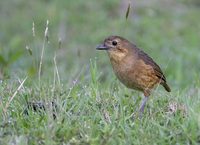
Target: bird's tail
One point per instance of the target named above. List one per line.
(167, 88)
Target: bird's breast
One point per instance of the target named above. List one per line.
(135, 75)
(126, 73)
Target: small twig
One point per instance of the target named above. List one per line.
(15, 93)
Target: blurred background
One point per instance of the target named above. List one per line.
(168, 30)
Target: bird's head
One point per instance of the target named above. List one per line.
(116, 46)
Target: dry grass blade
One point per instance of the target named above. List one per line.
(59, 43)
(29, 50)
(12, 97)
(33, 29)
(56, 70)
(128, 10)
(43, 47)
(106, 116)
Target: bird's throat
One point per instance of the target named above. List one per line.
(116, 57)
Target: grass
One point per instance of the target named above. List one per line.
(73, 97)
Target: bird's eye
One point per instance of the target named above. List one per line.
(114, 43)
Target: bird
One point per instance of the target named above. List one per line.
(133, 67)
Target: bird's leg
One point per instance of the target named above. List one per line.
(143, 105)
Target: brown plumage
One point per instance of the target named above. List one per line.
(133, 67)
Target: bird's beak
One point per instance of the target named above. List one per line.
(102, 47)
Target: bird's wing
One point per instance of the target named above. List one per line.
(148, 60)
